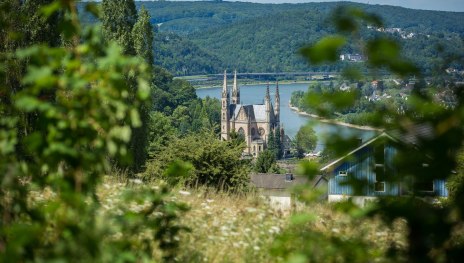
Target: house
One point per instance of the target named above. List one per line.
(278, 187)
(369, 171)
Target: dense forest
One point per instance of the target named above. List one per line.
(208, 37)
(256, 37)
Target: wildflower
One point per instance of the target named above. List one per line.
(209, 200)
(136, 181)
(184, 192)
(256, 248)
(251, 209)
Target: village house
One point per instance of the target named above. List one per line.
(368, 172)
(278, 188)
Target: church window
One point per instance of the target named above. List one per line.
(261, 131)
(223, 115)
(254, 148)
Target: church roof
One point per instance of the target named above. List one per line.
(256, 112)
(259, 112)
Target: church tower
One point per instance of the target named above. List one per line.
(235, 91)
(267, 104)
(225, 101)
(277, 105)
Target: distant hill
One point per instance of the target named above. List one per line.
(182, 57)
(190, 17)
(207, 37)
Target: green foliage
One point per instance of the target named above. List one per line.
(214, 163)
(306, 139)
(433, 231)
(278, 143)
(265, 161)
(135, 34)
(67, 115)
(205, 37)
(142, 34)
(118, 19)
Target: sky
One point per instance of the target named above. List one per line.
(442, 5)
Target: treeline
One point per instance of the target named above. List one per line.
(206, 37)
(189, 17)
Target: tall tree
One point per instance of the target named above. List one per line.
(278, 143)
(271, 143)
(142, 34)
(135, 35)
(306, 139)
(118, 20)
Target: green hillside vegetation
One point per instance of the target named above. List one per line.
(206, 37)
(189, 17)
(182, 57)
(271, 43)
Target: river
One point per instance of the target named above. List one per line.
(291, 120)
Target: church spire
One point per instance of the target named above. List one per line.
(235, 90)
(267, 99)
(277, 103)
(225, 92)
(225, 124)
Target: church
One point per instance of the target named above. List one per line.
(253, 122)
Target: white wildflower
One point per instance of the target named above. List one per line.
(209, 200)
(256, 248)
(184, 192)
(251, 209)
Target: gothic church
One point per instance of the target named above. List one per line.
(253, 122)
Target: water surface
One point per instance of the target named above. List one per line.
(291, 120)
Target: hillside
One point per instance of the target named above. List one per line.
(189, 17)
(206, 37)
(182, 57)
(270, 43)
(266, 37)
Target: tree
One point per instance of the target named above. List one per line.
(432, 233)
(212, 163)
(118, 20)
(306, 139)
(67, 152)
(278, 143)
(121, 24)
(265, 161)
(271, 143)
(142, 34)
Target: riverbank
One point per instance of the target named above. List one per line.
(321, 119)
(251, 83)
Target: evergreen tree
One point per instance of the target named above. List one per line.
(278, 143)
(271, 143)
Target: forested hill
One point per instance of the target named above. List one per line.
(189, 17)
(208, 37)
(266, 37)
